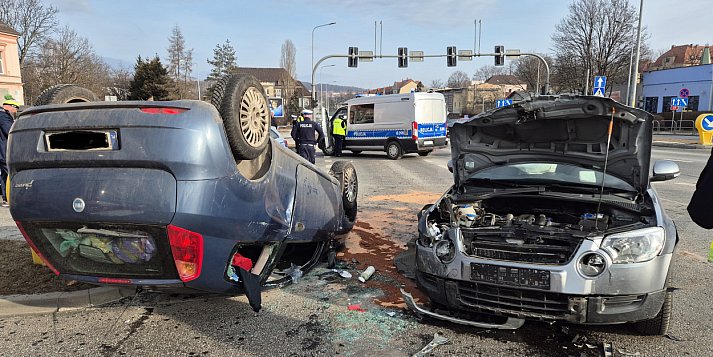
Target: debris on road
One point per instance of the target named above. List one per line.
(295, 272)
(355, 307)
(437, 341)
(367, 274)
(608, 349)
(343, 273)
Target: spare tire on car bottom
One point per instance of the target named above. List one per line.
(346, 174)
(241, 102)
(65, 93)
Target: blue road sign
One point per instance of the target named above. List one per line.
(503, 103)
(679, 102)
(599, 92)
(600, 82)
(707, 123)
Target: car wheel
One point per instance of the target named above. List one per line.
(424, 153)
(346, 174)
(356, 152)
(658, 326)
(241, 102)
(65, 93)
(394, 150)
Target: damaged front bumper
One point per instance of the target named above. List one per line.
(622, 293)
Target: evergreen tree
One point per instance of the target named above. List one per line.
(151, 80)
(224, 61)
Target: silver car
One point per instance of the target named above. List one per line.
(545, 223)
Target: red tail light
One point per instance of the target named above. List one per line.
(115, 281)
(414, 131)
(34, 247)
(154, 110)
(187, 249)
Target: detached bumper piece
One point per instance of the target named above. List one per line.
(510, 324)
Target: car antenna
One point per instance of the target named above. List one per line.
(604, 173)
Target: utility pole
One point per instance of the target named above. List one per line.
(637, 57)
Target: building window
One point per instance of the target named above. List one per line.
(2, 64)
(651, 104)
(361, 114)
(278, 92)
(667, 104)
(693, 103)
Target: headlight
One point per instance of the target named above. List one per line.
(445, 250)
(636, 246)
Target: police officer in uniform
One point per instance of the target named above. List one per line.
(307, 134)
(339, 130)
(7, 117)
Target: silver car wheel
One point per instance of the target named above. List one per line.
(254, 117)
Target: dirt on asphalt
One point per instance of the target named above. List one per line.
(18, 275)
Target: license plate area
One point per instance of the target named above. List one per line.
(520, 277)
(82, 140)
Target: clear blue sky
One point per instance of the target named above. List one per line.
(125, 29)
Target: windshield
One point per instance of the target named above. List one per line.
(539, 173)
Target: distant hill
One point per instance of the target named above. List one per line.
(330, 87)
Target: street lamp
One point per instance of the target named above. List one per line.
(321, 85)
(632, 99)
(316, 27)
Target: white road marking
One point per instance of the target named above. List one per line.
(684, 161)
(685, 183)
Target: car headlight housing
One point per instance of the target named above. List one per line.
(636, 246)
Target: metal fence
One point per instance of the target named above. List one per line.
(681, 127)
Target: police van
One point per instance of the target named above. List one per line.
(397, 124)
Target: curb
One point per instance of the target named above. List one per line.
(16, 305)
(673, 144)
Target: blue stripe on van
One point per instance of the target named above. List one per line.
(378, 134)
(431, 130)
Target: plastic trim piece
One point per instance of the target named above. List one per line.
(510, 324)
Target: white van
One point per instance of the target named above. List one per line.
(397, 124)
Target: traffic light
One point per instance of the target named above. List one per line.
(499, 55)
(451, 59)
(403, 57)
(353, 60)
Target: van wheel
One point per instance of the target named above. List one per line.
(328, 151)
(394, 150)
(346, 174)
(65, 93)
(241, 102)
(424, 153)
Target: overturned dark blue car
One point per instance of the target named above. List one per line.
(172, 194)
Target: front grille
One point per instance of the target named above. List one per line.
(520, 302)
(540, 249)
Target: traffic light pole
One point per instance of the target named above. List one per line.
(542, 59)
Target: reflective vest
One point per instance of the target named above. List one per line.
(300, 119)
(339, 127)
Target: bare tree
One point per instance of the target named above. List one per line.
(67, 58)
(187, 68)
(531, 71)
(596, 36)
(32, 19)
(176, 52)
(458, 79)
(436, 83)
(287, 58)
(485, 72)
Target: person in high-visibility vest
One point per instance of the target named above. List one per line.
(339, 131)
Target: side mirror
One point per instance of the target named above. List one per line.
(665, 170)
(450, 165)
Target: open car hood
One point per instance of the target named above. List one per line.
(555, 129)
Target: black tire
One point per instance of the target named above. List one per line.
(658, 326)
(394, 150)
(65, 93)
(327, 151)
(346, 174)
(424, 153)
(241, 102)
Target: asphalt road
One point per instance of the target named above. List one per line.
(312, 318)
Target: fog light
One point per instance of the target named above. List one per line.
(592, 264)
(445, 250)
